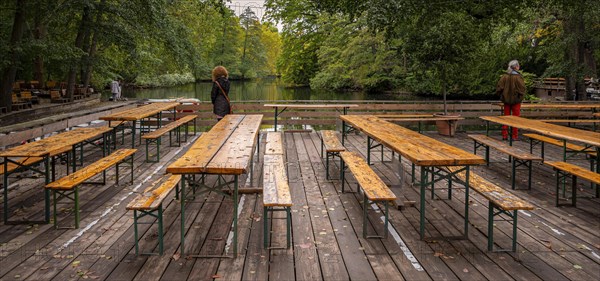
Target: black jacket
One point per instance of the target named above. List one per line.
(221, 106)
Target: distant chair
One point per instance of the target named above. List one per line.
(50, 85)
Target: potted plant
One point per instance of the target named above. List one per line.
(446, 127)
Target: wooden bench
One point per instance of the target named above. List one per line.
(373, 188)
(276, 190)
(149, 203)
(274, 143)
(68, 186)
(564, 169)
(155, 136)
(518, 157)
(333, 146)
(535, 139)
(18, 104)
(55, 97)
(498, 198)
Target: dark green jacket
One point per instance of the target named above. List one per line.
(511, 88)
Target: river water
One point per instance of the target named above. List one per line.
(266, 89)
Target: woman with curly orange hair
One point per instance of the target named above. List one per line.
(219, 94)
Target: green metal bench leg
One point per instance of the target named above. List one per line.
(135, 233)
(265, 227)
(491, 214)
(288, 226)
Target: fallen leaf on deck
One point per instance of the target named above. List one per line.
(465, 270)
(216, 276)
(577, 266)
(304, 246)
(176, 256)
(438, 254)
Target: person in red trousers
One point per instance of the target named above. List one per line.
(511, 89)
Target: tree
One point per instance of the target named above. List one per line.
(10, 71)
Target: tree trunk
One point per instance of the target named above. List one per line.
(40, 33)
(9, 74)
(87, 77)
(78, 44)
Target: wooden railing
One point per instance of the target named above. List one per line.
(470, 110)
(323, 118)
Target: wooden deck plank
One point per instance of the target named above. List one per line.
(324, 238)
(353, 249)
(552, 241)
(305, 249)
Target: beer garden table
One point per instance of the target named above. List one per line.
(137, 114)
(226, 150)
(46, 148)
(429, 154)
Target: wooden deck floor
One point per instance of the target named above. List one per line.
(554, 243)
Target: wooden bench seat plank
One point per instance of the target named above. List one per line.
(199, 155)
(497, 195)
(504, 147)
(375, 189)
(166, 128)
(575, 170)
(154, 195)
(553, 141)
(276, 190)
(424, 119)
(234, 157)
(78, 177)
(331, 141)
(274, 143)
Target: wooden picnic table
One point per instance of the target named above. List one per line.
(427, 153)
(561, 132)
(227, 149)
(46, 148)
(285, 106)
(590, 139)
(137, 114)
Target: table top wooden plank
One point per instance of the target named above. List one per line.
(140, 112)
(418, 148)
(274, 143)
(309, 106)
(55, 143)
(276, 190)
(194, 161)
(236, 153)
(549, 129)
(557, 106)
(597, 114)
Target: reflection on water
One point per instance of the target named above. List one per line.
(258, 89)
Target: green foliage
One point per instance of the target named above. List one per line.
(144, 42)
